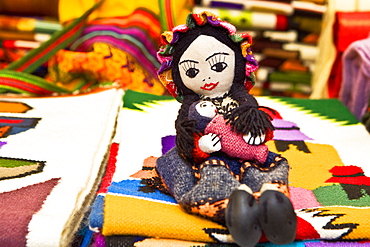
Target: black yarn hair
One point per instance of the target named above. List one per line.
(248, 106)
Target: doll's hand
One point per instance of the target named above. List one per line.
(253, 123)
(254, 140)
(210, 143)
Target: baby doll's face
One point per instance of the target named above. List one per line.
(206, 109)
(207, 67)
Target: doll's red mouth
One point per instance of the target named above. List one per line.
(209, 86)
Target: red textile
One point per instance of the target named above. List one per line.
(348, 27)
(348, 175)
(19, 206)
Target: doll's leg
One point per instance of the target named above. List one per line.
(275, 172)
(176, 173)
(276, 213)
(204, 192)
(209, 197)
(242, 217)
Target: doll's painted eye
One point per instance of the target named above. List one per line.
(189, 67)
(217, 61)
(192, 72)
(219, 67)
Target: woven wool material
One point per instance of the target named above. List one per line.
(286, 130)
(17, 209)
(167, 242)
(323, 156)
(325, 210)
(70, 139)
(179, 225)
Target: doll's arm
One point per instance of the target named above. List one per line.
(204, 146)
(210, 143)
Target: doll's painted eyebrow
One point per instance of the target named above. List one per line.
(188, 61)
(217, 53)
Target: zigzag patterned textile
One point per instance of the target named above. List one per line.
(52, 152)
(329, 180)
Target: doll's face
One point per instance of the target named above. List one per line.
(207, 67)
(206, 109)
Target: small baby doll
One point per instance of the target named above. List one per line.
(219, 136)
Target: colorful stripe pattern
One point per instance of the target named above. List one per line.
(59, 40)
(136, 34)
(329, 205)
(16, 78)
(25, 83)
(166, 15)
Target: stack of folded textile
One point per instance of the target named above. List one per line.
(52, 156)
(286, 34)
(329, 180)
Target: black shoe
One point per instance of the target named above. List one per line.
(277, 217)
(242, 218)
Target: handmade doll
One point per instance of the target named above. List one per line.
(216, 135)
(205, 59)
